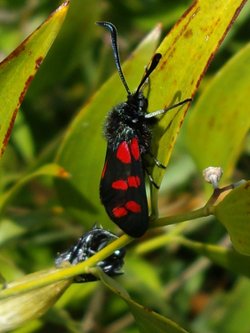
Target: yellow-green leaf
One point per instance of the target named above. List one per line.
(187, 51)
(19, 68)
(18, 309)
(234, 213)
(221, 117)
(70, 46)
(147, 320)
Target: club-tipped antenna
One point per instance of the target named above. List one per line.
(113, 34)
(154, 63)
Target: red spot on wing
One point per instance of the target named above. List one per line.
(130, 206)
(133, 206)
(134, 145)
(134, 181)
(123, 153)
(119, 212)
(120, 185)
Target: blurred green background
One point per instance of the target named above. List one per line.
(187, 288)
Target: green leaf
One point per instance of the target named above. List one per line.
(147, 320)
(219, 255)
(235, 309)
(19, 68)
(220, 119)
(22, 138)
(19, 309)
(9, 230)
(70, 48)
(234, 213)
(52, 170)
(82, 152)
(187, 51)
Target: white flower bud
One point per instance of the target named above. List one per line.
(213, 175)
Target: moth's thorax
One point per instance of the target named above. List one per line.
(137, 105)
(126, 121)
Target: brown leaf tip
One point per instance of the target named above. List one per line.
(64, 4)
(38, 62)
(62, 173)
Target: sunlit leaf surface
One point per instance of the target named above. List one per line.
(18, 70)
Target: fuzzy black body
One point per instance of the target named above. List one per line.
(128, 135)
(127, 120)
(127, 130)
(89, 244)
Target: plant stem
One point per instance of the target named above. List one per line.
(42, 279)
(206, 210)
(168, 220)
(154, 201)
(55, 275)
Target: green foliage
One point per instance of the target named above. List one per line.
(19, 69)
(51, 166)
(223, 132)
(233, 212)
(148, 320)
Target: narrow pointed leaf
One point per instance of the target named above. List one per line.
(18, 70)
(187, 52)
(147, 320)
(20, 309)
(70, 46)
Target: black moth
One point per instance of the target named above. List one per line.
(128, 134)
(89, 244)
